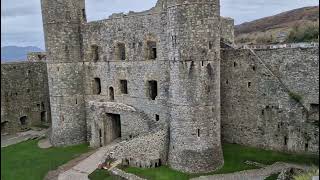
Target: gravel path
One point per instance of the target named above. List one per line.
(22, 136)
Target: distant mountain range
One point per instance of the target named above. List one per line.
(278, 24)
(16, 53)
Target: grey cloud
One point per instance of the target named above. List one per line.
(21, 21)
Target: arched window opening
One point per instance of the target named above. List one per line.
(23, 120)
(111, 93)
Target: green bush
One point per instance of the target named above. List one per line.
(304, 33)
(308, 175)
(295, 96)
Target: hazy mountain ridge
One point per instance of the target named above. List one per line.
(16, 53)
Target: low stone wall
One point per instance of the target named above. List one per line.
(124, 175)
(146, 151)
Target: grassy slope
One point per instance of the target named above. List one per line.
(235, 156)
(28, 162)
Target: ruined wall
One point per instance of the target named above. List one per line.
(37, 57)
(148, 151)
(135, 32)
(256, 107)
(227, 29)
(24, 93)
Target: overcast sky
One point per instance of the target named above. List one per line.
(21, 22)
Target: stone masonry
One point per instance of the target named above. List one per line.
(160, 81)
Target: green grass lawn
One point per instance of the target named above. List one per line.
(25, 161)
(234, 157)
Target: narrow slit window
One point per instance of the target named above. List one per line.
(153, 89)
(111, 93)
(198, 132)
(306, 146)
(235, 64)
(157, 117)
(97, 86)
(124, 86)
(249, 84)
(285, 140)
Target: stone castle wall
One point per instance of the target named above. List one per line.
(257, 109)
(24, 96)
(135, 32)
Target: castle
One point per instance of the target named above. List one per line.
(168, 82)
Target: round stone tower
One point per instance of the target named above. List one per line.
(62, 21)
(194, 55)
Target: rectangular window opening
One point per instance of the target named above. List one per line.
(153, 89)
(157, 117)
(97, 86)
(152, 50)
(198, 132)
(124, 86)
(95, 53)
(121, 51)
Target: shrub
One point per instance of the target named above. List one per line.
(295, 96)
(304, 33)
(308, 175)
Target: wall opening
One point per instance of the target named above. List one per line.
(100, 137)
(42, 106)
(84, 16)
(254, 68)
(23, 120)
(285, 140)
(157, 117)
(249, 84)
(43, 116)
(121, 51)
(235, 64)
(111, 93)
(306, 146)
(112, 128)
(152, 50)
(152, 89)
(4, 126)
(94, 53)
(124, 86)
(97, 86)
(198, 132)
